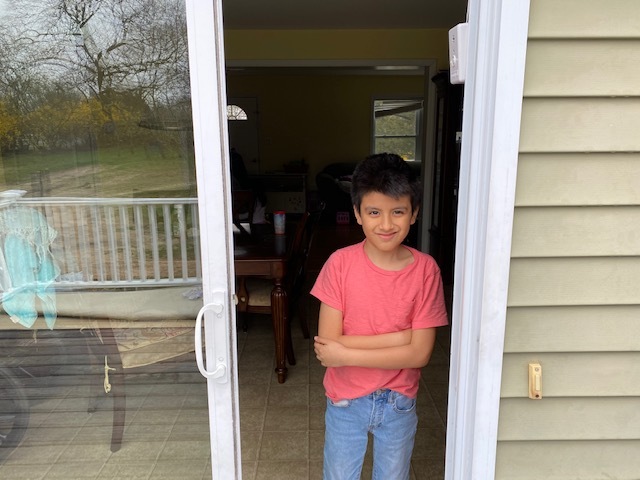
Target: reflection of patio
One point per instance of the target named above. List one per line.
(121, 242)
(128, 270)
(166, 433)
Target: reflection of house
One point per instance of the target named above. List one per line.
(568, 297)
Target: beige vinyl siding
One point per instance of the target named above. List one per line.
(578, 179)
(574, 281)
(571, 419)
(568, 375)
(574, 287)
(575, 328)
(584, 19)
(573, 68)
(576, 232)
(579, 125)
(562, 460)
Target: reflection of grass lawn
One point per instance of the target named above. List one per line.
(114, 172)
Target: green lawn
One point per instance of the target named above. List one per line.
(111, 172)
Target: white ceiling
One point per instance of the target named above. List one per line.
(343, 14)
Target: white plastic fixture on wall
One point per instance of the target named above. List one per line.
(458, 53)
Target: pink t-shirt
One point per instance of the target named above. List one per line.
(375, 301)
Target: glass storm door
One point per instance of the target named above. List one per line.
(117, 346)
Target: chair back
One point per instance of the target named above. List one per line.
(242, 205)
(300, 272)
(297, 247)
(255, 294)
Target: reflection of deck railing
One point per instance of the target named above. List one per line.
(123, 242)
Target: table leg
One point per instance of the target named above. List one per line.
(279, 316)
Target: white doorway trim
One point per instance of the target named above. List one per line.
(489, 158)
(210, 136)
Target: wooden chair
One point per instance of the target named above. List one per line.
(242, 206)
(298, 289)
(254, 294)
(257, 292)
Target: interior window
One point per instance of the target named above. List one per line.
(398, 127)
(234, 112)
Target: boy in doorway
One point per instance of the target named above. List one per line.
(380, 304)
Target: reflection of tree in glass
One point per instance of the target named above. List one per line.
(100, 66)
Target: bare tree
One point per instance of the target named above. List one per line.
(118, 52)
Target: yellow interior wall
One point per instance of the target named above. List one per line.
(318, 118)
(326, 118)
(337, 45)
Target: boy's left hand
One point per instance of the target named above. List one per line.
(329, 352)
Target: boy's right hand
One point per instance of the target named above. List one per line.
(329, 352)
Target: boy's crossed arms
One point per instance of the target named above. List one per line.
(395, 350)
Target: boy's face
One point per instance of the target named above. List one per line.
(385, 220)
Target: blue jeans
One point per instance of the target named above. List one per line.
(389, 416)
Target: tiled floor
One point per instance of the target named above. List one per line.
(166, 431)
(282, 425)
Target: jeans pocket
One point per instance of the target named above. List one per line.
(339, 404)
(403, 404)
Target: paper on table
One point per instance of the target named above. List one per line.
(245, 226)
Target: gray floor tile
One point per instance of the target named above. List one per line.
(249, 470)
(24, 472)
(75, 471)
(284, 446)
(250, 444)
(286, 418)
(120, 471)
(252, 419)
(253, 396)
(173, 469)
(286, 395)
(136, 453)
(270, 470)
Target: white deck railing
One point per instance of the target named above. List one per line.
(121, 242)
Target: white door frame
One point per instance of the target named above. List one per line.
(491, 127)
(208, 94)
(489, 157)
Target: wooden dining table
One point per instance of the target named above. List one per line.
(259, 252)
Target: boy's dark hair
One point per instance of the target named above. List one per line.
(385, 173)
